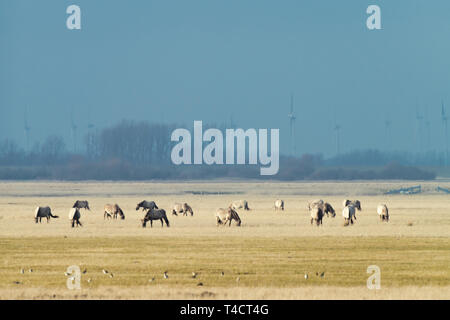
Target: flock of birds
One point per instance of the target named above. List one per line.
(317, 208)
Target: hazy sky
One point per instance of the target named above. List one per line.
(210, 60)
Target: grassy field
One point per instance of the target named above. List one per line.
(266, 258)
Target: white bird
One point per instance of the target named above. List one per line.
(151, 280)
(166, 276)
(67, 274)
(105, 271)
(222, 273)
(31, 270)
(89, 280)
(22, 271)
(194, 275)
(111, 275)
(306, 276)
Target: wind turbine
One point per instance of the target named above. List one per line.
(337, 130)
(444, 122)
(73, 128)
(291, 117)
(419, 119)
(387, 128)
(26, 129)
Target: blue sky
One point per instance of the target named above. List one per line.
(180, 61)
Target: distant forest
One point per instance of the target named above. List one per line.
(141, 151)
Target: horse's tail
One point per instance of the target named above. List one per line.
(50, 214)
(166, 220)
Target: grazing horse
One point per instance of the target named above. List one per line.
(383, 212)
(74, 217)
(316, 213)
(43, 212)
(111, 211)
(349, 213)
(81, 204)
(239, 204)
(155, 214)
(146, 205)
(226, 215)
(182, 208)
(325, 206)
(355, 203)
(279, 204)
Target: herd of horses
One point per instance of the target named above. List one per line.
(317, 209)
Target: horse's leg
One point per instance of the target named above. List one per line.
(162, 223)
(151, 223)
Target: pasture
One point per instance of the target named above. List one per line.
(266, 258)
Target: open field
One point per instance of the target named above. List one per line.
(270, 253)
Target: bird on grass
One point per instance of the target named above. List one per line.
(151, 280)
(322, 274)
(67, 274)
(89, 280)
(105, 271)
(194, 275)
(166, 276)
(17, 282)
(31, 270)
(306, 276)
(111, 275)
(200, 284)
(84, 271)
(222, 273)
(22, 271)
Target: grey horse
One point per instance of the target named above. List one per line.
(224, 216)
(146, 205)
(43, 212)
(81, 204)
(155, 214)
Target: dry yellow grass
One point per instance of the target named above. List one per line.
(270, 253)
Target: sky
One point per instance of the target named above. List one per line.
(179, 61)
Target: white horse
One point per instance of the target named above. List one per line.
(383, 212)
(74, 217)
(279, 204)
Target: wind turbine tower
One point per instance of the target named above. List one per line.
(291, 117)
(387, 128)
(444, 122)
(26, 129)
(73, 128)
(419, 119)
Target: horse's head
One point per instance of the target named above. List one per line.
(329, 209)
(139, 205)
